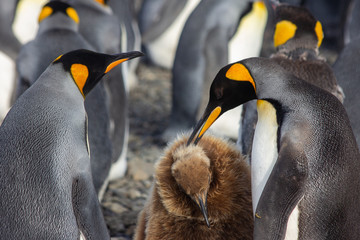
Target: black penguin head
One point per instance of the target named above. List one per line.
(88, 67)
(232, 86)
(58, 7)
(296, 27)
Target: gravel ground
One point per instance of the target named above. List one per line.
(149, 110)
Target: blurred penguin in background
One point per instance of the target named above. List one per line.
(207, 43)
(130, 35)
(9, 49)
(161, 23)
(200, 192)
(346, 68)
(297, 37)
(58, 34)
(100, 27)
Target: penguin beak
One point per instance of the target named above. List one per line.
(202, 203)
(122, 57)
(205, 122)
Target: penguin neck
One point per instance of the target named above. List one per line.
(264, 150)
(58, 22)
(60, 83)
(298, 53)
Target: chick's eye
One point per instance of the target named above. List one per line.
(219, 92)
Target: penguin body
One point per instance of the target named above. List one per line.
(10, 45)
(298, 54)
(58, 33)
(347, 74)
(211, 181)
(203, 47)
(305, 160)
(46, 182)
(161, 38)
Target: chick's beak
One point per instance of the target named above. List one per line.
(208, 118)
(202, 203)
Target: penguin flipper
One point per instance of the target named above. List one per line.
(282, 192)
(87, 209)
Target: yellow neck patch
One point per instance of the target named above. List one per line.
(71, 12)
(239, 72)
(114, 64)
(80, 74)
(259, 8)
(101, 2)
(284, 31)
(211, 119)
(319, 33)
(45, 12)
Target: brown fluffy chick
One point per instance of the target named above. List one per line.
(193, 183)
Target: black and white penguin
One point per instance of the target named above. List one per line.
(207, 43)
(46, 183)
(57, 34)
(305, 161)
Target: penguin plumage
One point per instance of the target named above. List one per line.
(297, 38)
(305, 160)
(205, 46)
(200, 192)
(57, 34)
(46, 182)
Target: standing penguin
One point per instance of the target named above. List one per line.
(206, 44)
(297, 38)
(305, 162)
(200, 192)
(57, 34)
(100, 27)
(46, 184)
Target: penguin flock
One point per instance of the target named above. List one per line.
(282, 160)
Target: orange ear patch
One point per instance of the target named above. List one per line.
(45, 12)
(284, 31)
(71, 12)
(319, 33)
(114, 64)
(80, 74)
(239, 72)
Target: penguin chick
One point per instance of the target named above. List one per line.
(200, 192)
(45, 176)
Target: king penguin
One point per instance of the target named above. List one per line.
(305, 161)
(100, 27)
(297, 37)
(57, 34)
(46, 183)
(206, 44)
(200, 192)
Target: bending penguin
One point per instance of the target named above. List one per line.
(57, 34)
(305, 160)
(46, 184)
(206, 44)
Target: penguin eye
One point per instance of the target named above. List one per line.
(219, 93)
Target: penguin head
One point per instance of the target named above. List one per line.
(87, 67)
(232, 86)
(57, 7)
(191, 170)
(296, 27)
